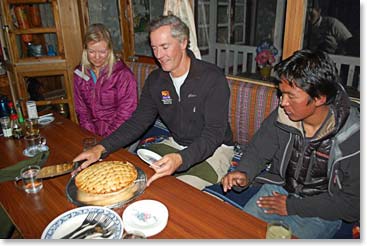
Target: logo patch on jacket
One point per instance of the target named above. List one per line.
(166, 98)
(80, 74)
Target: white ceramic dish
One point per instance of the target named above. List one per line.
(149, 217)
(70, 220)
(45, 120)
(26, 153)
(148, 156)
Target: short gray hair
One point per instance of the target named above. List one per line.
(179, 29)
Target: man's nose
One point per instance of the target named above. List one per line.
(158, 53)
(283, 101)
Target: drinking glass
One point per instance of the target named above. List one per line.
(32, 127)
(6, 126)
(278, 230)
(34, 144)
(28, 177)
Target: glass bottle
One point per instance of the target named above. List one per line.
(17, 129)
(11, 108)
(63, 109)
(19, 112)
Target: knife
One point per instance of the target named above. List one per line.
(57, 170)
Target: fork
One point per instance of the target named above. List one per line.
(107, 232)
(91, 219)
(104, 229)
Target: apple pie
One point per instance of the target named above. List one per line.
(106, 177)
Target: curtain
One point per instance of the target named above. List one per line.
(183, 10)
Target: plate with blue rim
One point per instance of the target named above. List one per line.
(72, 219)
(45, 120)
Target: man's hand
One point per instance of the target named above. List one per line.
(235, 178)
(167, 165)
(90, 156)
(276, 204)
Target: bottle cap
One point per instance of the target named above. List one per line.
(13, 117)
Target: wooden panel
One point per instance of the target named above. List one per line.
(4, 86)
(127, 28)
(71, 32)
(295, 21)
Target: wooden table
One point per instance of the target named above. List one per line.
(193, 214)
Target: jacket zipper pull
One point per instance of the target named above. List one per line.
(337, 180)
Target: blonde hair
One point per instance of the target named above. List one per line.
(97, 33)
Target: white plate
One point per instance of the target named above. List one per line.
(148, 156)
(149, 217)
(70, 220)
(26, 151)
(46, 120)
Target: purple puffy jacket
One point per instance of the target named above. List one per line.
(103, 106)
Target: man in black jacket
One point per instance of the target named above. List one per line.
(191, 97)
(312, 143)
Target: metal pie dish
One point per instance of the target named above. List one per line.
(110, 200)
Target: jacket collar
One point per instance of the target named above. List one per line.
(194, 71)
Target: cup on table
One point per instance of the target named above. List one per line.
(6, 126)
(88, 143)
(278, 230)
(133, 235)
(27, 179)
(32, 127)
(34, 144)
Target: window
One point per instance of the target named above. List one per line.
(143, 12)
(107, 12)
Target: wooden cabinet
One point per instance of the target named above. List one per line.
(44, 44)
(4, 86)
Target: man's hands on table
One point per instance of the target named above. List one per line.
(90, 156)
(167, 165)
(275, 204)
(235, 178)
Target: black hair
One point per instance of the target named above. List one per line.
(312, 71)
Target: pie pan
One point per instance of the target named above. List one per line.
(110, 200)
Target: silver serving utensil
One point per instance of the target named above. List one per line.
(103, 229)
(88, 224)
(85, 223)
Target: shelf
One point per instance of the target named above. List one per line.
(35, 41)
(39, 30)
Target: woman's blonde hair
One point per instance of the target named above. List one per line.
(97, 33)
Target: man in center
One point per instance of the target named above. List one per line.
(191, 97)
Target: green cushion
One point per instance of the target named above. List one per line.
(202, 170)
(7, 227)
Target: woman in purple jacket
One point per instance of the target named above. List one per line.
(105, 90)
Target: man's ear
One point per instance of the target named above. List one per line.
(184, 44)
(319, 101)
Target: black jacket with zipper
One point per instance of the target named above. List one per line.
(197, 119)
(278, 142)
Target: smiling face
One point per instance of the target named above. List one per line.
(169, 51)
(97, 53)
(297, 104)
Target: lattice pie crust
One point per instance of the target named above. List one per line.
(106, 177)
